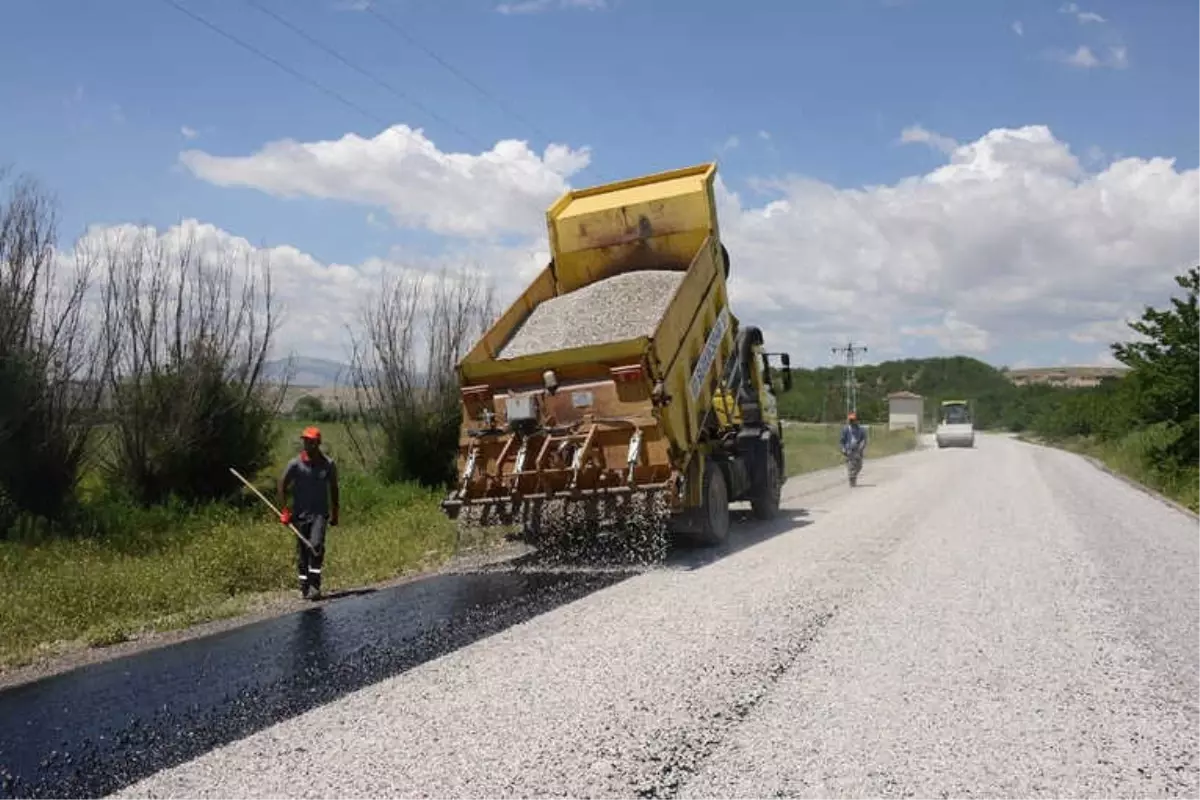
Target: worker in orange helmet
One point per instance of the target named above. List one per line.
(312, 476)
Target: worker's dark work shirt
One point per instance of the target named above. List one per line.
(310, 479)
(852, 436)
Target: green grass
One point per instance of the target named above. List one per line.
(811, 446)
(167, 568)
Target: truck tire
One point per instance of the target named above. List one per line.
(765, 503)
(714, 513)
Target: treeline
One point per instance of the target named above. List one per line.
(818, 395)
(138, 363)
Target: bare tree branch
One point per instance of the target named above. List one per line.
(404, 371)
(52, 367)
(193, 325)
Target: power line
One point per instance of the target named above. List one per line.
(370, 9)
(299, 76)
(850, 351)
(389, 87)
(326, 90)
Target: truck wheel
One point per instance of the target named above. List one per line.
(765, 503)
(714, 523)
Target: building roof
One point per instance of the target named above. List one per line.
(904, 395)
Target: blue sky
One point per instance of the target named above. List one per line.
(812, 90)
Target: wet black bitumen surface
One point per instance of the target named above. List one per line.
(94, 730)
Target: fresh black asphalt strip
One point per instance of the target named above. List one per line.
(94, 730)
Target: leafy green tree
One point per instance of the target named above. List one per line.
(1165, 368)
(309, 407)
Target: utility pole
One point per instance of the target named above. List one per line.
(849, 352)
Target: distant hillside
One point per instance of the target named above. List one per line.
(1064, 376)
(1000, 396)
(819, 394)
(308, 372)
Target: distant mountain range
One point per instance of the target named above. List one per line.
(308, 372)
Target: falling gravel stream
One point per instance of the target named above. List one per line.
(1001, 621)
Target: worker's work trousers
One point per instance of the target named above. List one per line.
(311, 527)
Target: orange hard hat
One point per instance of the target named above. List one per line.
(311, 432)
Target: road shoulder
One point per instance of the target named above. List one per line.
(263, 607)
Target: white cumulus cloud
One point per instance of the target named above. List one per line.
(535, 6)
(316, 302)
(1083, 57)
(916, 133)
(1084, 17)
(403, 171)
(1009, 247)
(1011, 243)
(1117, 57)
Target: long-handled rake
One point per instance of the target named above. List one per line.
(271, 506)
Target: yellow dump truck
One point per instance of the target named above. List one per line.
(619, 391)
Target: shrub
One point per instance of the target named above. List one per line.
(51, 370)
(405, 373)
(189, 401)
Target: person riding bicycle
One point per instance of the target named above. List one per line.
(854, 436)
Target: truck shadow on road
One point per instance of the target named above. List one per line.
(744, 532)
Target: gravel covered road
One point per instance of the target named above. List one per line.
(1003, 621)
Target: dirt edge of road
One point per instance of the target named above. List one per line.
(1100, 465)
(1128, 481)
(269, 605)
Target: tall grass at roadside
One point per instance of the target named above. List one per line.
(160, 568)
(813, 446)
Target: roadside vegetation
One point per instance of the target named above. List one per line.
(165, 566)
(131, 380)
(809, 447)
(1146, 425)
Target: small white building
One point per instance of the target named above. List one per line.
(905, 410)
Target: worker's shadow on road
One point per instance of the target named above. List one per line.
(744, 532)
(338, 595)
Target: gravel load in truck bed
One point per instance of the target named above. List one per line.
(621, 307)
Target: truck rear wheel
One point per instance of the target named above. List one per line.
(714, 522)
(765, 503)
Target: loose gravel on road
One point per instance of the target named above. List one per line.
(624, 306)
(967, 622)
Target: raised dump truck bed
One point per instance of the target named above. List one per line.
(619, 375)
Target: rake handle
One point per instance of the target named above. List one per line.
(271, 506)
